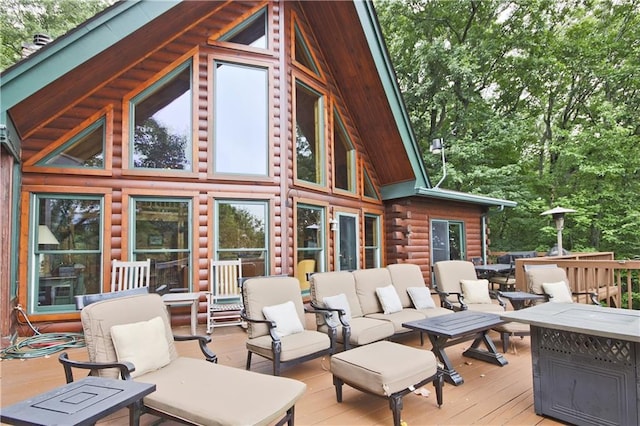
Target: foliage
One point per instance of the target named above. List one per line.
(20, 20)
(538, 102)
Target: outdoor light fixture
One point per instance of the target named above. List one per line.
(45, 236)
(334, 224)
(437, 147)
(558, 216)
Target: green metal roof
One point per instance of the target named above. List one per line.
(79, 45)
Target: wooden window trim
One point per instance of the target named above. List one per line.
(268, 52)
(297, 22)
(339, 121)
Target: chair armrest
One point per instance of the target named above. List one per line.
(202, 341)
(271, 324)
(342, 315)
(125, 367)
(496, 295)
(445, 303)
(592, 295)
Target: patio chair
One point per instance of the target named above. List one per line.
(553, 283)
(460, 289)
(126, 275)
(506, 281)
(276, 322)
(224, 301)
(131, 337)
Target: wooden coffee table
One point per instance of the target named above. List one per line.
(82, 402)
(448, 330)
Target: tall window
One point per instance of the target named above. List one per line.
(241, 119)
(372, 241)
(241, 230)
(310, 231)
(162, 233)
(344, 157)
(162, 123)
(67, 256)
(309, 135)
(447, 240)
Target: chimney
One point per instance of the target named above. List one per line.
(39, 40)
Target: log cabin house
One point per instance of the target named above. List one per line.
(272, 131)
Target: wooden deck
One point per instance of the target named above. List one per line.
(491, 395)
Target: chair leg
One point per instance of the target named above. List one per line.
(438, 382)
(248, 366)
(395, 402)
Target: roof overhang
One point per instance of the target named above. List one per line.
(445, 194)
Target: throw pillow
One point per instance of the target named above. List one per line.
(558, 292)
(475, 291)
(421, 297)
(389, 299)
(144, 344)
(339, 301)
(286, 318)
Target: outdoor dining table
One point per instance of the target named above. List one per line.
(493, 268)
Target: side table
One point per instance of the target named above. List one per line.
(82, 402)
(181, 299)
(521, 299)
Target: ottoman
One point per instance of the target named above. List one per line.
(386, 369)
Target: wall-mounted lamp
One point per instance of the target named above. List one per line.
(333, 225)
(558, 216)
(45, 236)
(437, 147)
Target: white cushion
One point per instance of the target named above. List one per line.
(339, 301)
(389, 299)
(286, 318)
(144, 344)
(475, 291)
(421, 297)
(559, 292)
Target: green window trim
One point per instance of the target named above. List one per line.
(344, 169)
(303, 55)
(310, 152)
(78, 141)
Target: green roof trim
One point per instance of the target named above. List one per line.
(79, 45)
(445, 194)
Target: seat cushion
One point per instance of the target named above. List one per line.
(367, 330)
(398, 318)
(204, 393)
(384, 368)
(485, 307)
(435, 312)
(294, 346)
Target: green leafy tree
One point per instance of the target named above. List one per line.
(538, 102)
(20, 20)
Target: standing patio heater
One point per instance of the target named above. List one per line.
(558, 216)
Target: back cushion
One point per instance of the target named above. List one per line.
(367, 280)
(326, 284)
(403, 276)
(269, 291)
(98, 318)
(537, 276)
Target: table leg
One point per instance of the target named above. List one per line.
(194, 316)
(490, 355)
(450, 374)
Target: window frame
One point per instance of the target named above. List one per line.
(352, 156)
(462, 241)
(190, 59)
(377, 247)
(324, 240)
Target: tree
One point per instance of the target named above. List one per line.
(20, 20)
(537, 101)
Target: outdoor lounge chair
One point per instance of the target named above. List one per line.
(276, 322)
(547, 281)
(131, 337)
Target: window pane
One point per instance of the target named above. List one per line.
(241, 124)
(67, 251)
(84, 150)
(344, 166)
(309, 155)
(241, 229)
(369, 191)
(162, 120)
(162, 234)
(252, 32)
(303, 55)
(372, 241)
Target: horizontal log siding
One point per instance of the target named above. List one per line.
(408, 233)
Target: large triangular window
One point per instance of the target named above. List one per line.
(302, 53)
(251, 32)
(84, 150)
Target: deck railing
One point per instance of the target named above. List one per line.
(596, 272)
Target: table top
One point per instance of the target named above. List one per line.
(623, 324)
(180, 297)
(82, 402)
(493, 267)
(520, 295)
(457, 324)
